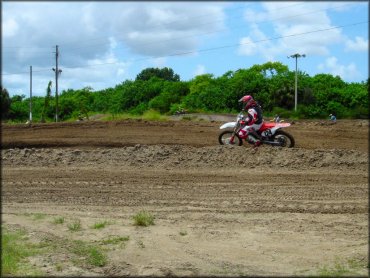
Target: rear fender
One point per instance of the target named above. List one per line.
(273, 127)
(278, 126)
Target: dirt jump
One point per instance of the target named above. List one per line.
(217, 210)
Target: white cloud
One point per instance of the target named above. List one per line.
(288, 21)
(83, 30)
(159, 62)
(10, 27)
(200, 69)
(247, 46)
(99, 33)
(359, 44)
(344, 71)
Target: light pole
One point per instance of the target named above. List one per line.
(57, 73)
(30, 95)
(296, 56)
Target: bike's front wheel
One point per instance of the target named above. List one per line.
(228, 137)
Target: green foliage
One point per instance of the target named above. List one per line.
(143, 218)
(165, 73)
(45, 110)
(19, 109)
(271, 84)
(5, 103)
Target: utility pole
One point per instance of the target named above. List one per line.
(30, 94)
(57, 72)
(296, 56)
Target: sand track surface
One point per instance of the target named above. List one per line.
(218, 210)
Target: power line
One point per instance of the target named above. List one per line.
(212, 32)
(207, 33)
(211, 49)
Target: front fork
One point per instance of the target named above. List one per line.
(235, 131)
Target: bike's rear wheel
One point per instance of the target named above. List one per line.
(284, 138)
(228, 137)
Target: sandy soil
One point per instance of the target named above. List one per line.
(219, 210)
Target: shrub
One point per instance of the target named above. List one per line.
(143, 218)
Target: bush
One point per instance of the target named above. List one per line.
(143, 218)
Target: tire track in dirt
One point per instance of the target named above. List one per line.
(228, 191)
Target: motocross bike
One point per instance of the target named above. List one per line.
(269, 133)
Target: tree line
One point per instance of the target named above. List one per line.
(272, 84)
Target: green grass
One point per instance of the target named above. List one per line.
(93, 254)
(115, 239)
(75, 226)
(58, 220)
(150, 115)
(351, 267)
(38, 216)
(100, 225)
(143, 218)
(59, 267)
(123, 116)
(14, 252)
(183, 233)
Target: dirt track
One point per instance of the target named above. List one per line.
(218, 210)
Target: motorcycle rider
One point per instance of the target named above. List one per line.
(253, 120)
(332, 118)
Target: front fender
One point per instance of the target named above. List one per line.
(228, 125)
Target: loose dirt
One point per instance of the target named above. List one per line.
(219, 210)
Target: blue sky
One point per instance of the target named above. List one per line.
(102, 44)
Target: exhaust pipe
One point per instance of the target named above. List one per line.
(272, 143)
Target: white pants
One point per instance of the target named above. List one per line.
(256, 127)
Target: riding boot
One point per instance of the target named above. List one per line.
(252, 139)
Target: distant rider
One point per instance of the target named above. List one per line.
(253, 120)
(333, 119)
(277, 119)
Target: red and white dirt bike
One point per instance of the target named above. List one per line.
(270, 133)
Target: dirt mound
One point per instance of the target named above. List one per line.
(346, 134)
(179, 156)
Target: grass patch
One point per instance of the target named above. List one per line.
(188, 118)
(93, 254)
(38, 216)
(116, 117)
(150, 115)
(143, 218)
(14, 252)
(100, 225)
(58, 220)
(59, 267)
(351, 267)
(183, 233)
(75, 226)
(115, 240)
